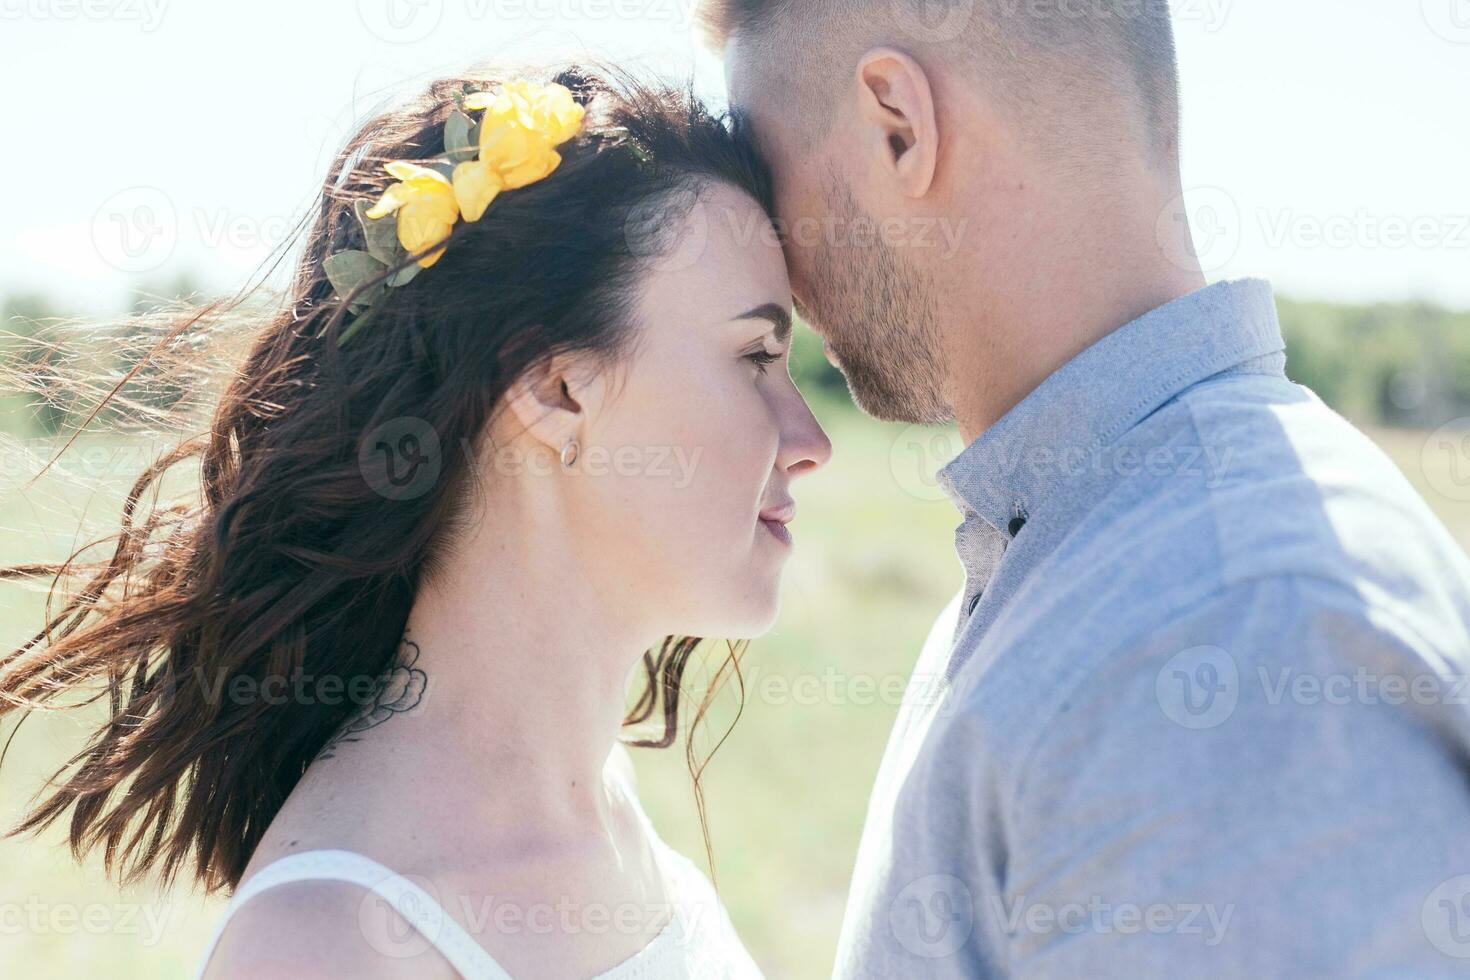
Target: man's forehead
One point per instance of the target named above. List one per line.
(756, 97)
(790, 104)
(743, 73)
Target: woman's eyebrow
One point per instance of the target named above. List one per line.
(776, 314)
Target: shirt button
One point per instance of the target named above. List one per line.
(973, 603)
(1016, 524)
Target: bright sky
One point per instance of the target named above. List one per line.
(1325, 141)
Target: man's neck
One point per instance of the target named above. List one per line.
(1035, 321)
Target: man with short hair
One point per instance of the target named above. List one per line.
(1199, 709)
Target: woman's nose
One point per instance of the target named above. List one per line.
(804, 445)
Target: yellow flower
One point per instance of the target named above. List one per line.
(505, 144)
(426, 205)
(563, 116)
(522, 125)
(554, 113)
(476, 184)
(534, 169)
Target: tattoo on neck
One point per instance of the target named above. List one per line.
(400, 689)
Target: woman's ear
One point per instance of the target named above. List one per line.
(553, 399)
(897, 106)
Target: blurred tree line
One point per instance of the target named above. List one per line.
(44, 354)
(1398, 364)
(1402, 364)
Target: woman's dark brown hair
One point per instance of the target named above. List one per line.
(294, 561)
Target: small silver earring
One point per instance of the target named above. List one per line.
(569, 453)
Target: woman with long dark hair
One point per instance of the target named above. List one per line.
(523, 425)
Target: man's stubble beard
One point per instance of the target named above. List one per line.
(876, 312)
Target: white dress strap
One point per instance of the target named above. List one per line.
(417, 907)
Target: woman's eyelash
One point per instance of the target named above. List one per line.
(763, 359)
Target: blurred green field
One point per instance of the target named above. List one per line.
(786, 794)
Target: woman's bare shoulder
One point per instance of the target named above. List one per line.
(321, 929)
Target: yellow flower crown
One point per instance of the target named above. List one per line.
(511, 145)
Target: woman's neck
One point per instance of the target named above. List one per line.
(525, 672)
(524, 682)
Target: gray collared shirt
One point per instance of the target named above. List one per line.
(1200, 709)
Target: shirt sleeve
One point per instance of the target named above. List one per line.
(1273, 784)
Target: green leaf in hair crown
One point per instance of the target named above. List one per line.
(381, 235)
(457, 143)
(351, 270)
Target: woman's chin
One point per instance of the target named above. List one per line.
(749, 615)
(760, 617)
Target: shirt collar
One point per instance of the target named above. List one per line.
(1103, 392)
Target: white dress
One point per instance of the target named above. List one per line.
(698, 943)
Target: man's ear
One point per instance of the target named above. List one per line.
(552, 400)
(897, 107)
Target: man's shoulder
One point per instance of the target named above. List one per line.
(1260, 651)
(1305, 522)
(1266, 480)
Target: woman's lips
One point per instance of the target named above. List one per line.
(776, 518)
(783, 513)
(778, 530)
